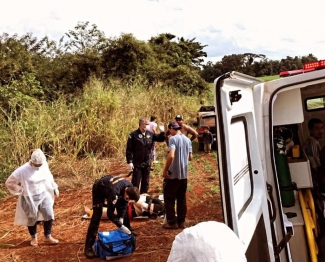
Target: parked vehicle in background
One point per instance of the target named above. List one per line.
(206, 119)
(204, 110)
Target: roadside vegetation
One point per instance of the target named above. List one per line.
(78, 99)
(89, 130)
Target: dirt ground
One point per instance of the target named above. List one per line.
(153, 242)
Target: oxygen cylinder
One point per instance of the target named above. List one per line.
(283, 171)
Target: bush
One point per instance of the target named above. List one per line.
(93, 126)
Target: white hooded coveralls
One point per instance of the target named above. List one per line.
(35, 191)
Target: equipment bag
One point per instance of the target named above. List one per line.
(114, 244)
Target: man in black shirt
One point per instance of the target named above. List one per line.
(139, 153)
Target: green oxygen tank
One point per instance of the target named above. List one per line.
(283, 171)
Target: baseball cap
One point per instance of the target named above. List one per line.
(174, 125)
(180, 117)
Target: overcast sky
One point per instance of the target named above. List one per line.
(277, 28)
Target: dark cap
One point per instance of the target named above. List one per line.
(180, 117)
(174, 125)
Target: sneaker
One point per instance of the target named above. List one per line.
(34, 242)
(89, 253)
(181, 225)
(51, 241)
(168, 226)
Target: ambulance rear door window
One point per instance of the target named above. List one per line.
(315, 103)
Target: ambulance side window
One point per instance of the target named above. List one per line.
(241, 165)
(315, 103)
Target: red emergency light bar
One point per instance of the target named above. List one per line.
(314, 65)
(310, 66)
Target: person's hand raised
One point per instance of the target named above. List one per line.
(161, 127)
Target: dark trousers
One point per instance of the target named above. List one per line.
(98, 202)
(47, 225)
(175, 189)
(141, 175)
(93, 226)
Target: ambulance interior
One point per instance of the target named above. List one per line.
(292, 109)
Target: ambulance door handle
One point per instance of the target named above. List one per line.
(272, 209)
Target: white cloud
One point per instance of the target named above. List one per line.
(276, 29)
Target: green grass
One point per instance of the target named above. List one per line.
(269, 78)
(208, 167)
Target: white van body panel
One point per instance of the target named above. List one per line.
(262, 106)
(246, 197)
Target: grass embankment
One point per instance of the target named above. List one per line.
(269, 78)
(87, 135)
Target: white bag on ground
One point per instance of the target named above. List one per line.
(207, 242)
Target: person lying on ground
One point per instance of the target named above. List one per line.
(139, 208)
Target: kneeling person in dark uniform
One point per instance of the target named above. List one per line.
(117, 191)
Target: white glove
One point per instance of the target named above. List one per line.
(131, 166)
(57, 192)
(161, 127)
(121, 220)
(126, 230)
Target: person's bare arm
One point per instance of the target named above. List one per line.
(190, 156)
(169, 161)
(192, 132)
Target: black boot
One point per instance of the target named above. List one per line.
(89, 253)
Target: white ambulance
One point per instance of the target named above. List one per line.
(249, 113)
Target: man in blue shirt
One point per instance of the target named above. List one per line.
(175, 177)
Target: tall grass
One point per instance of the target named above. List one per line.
(92, 129)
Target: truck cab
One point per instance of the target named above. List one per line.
(275, 221)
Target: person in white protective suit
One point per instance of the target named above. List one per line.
(34, 185)
(209, 241)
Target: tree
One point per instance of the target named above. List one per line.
(185, 81)
(309, 58)
(20, 92)
(233, 63)
(211, 71)
(85, 39)
(249, 63)
(175, 53)
(128, 58)
(193, 50)
(15, 58)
